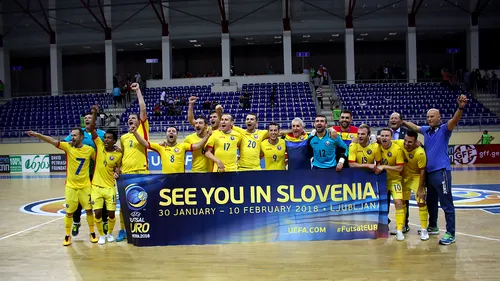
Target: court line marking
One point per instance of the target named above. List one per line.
(28, 229)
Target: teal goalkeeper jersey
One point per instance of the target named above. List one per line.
(324, 150)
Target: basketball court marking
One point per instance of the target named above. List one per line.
(28, 229)
(460, 233)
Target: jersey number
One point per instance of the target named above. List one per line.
(172, 159)
(131, 143)
(275, 157)
(251, 144)
(226, 146)
(398, 187)
(82, 161)
(364, 160)
(322, 153)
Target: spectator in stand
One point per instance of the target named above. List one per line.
(157, 110)
(336, 114)
(117, 96)
(206, 105)
(137, 78)
(319, 95)
(316, 82)
(162, 99)
(273, 97)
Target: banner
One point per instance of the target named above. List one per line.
(213, 208)
(4, 164)
(468, 154)
(57, 163)
(29, 163)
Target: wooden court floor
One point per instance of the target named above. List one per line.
(31, 246)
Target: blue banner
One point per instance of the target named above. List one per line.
(257, 206)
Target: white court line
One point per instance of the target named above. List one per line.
(28, 229)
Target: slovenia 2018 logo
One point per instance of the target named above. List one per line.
(137, 197)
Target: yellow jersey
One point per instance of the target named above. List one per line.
(172, 157)
(77, 164)
(225, 146)
(250, 148)
(135, 156)
(201, 164)
(415, 160)
(364, 155)
(274, 154)
(393, 156)
(105, 164)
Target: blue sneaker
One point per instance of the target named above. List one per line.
(122, 235)
(447, 239)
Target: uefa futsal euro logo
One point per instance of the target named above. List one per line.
(137, 197)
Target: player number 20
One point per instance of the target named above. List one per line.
(251, 144)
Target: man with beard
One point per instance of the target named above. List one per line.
(135, 155)
(436, 138)
(393, 162)
(273, 149)
(346, 131)
(214, 116)
(222, 147)
(323, 147)
(173, 155)
(362, 153)
(251, 142)
(201, 164)
(87, 140)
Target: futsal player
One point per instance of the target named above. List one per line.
(172, 155)
(200, 163)
(87, 140)
(135, 155)
(362, 153)
(77, 189)
(222, 147)
(250, 144)
(323, 147)
(393, 162)
(215, 116)
(273, 149)
(414, 177)
(107, 164)
(436, 139)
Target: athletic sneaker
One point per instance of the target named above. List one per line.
(122, 235)
(110, 238)
(67, 240)
(400, 236)
(105, 227)
(102, 240)
(75, 230)
(424, 235)
(431, 230)
(93, 237)
(447, 239)
(406, 229)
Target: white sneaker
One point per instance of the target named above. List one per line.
(110, 238)
(400, 236)
(102, 240)
(424, 235)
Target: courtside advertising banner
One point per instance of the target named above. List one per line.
(468, 154)
(29, 163)
(4, 164)
(57, 163)
(256, 206)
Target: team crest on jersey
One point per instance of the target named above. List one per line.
(369, 152)
(410, 156)
(111, 158)
(389, 154)
(327, 143)
(278, 147)
(231, 137)
(302, 138)
(176, 150)
(255, 136)
(351, 136)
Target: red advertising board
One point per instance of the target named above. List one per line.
(467, 154)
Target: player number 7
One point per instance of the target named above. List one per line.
(82, 161)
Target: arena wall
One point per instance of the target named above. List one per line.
(42, 148)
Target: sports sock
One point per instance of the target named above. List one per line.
(424, 214)
(68, 222)
(90, 221)
(400, 219)
(98, 223)
(111, 225)
(122, 222)
(404, 209)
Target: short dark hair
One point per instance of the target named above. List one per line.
(112, 132)
(273, 124)
(253, 114)
(412, 134)
(322, 116)
(212, 112)
(386, 129)
(347, 111)
(364, 126)
(172, 127)
(202, 118)
(80, 131)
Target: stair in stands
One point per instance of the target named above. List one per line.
(490, 101)
(327, 103)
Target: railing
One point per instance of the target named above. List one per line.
(72, 92)
(19, 135)
(384, 81)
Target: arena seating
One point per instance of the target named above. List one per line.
(293, 100)
(373, 103)
(47, 114)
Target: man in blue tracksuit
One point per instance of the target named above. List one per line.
(323, 147)
(436, 140)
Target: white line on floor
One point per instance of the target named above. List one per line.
(28, 229)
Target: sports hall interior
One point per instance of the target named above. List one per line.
(58, 58)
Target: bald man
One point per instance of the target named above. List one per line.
(438, 175)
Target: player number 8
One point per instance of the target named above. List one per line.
(172, 159)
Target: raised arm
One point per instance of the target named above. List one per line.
(44, 138)
(453, 122)
(139, 138)
(142, 105)
(93, 126)
(192, 100)
(412, 126)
